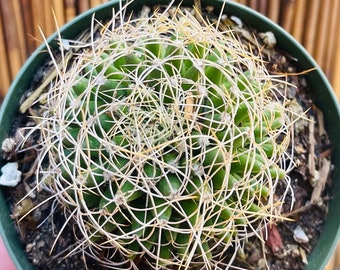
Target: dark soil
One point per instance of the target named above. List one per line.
(283, 248)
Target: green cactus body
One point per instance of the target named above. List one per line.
(180, 148)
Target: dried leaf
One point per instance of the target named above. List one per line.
(320, 185)
(273, 241)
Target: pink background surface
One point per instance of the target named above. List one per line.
(5, 261)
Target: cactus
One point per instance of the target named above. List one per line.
(165, 140)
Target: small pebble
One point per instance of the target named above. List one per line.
(300, 236)
(65, 44)
(11, 176)
(29, 247)
(237, 21)
(209, 9)
(269, 39)
(295, 253)
(8, 145)
(40, 244)
(262, 264)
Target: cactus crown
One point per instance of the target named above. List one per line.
(165, 140)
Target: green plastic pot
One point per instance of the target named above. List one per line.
(320, 87)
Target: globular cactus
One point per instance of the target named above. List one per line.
(165, 140)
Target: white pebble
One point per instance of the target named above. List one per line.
(300, 236)
(269, 39)
(237, 20)
(8, 145)
(65, 44)
(11, 176)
